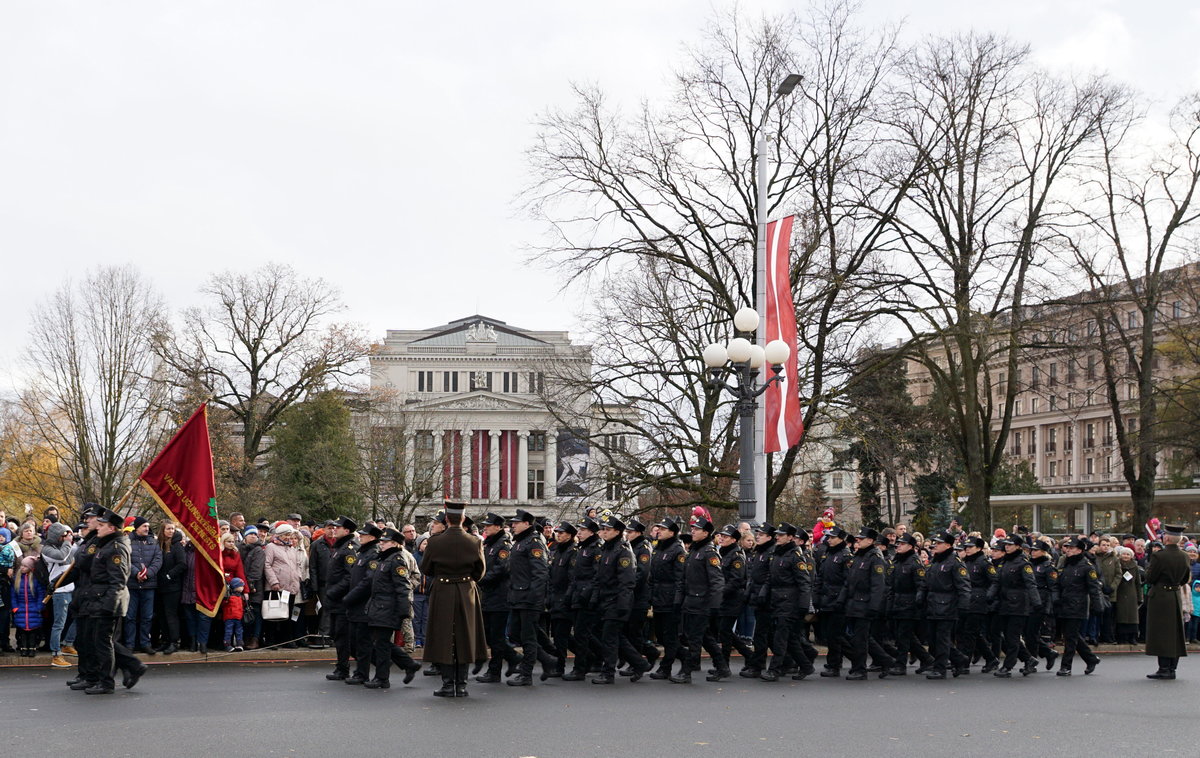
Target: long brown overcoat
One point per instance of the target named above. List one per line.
(1167, 572)
(453, 563)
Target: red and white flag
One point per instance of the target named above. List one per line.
(785, 422)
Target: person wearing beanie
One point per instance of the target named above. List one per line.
(8, 558)
(233, 612)
(58, 550)
(253, 566)
(146, 557)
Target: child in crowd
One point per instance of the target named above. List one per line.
(8, 558)
(27, 594)
(1193, 626)
(235, 611)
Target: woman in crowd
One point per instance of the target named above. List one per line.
(1129, 596)
(57, 553)
(282, 570)
(253, 559)
(170, 586)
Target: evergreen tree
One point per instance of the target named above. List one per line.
(314, 468)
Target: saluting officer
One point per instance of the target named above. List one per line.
(864, 598)
(337, 584)
(390, 603)
(494, 587)
(975, 623)
(701, 593)
(1078, 583)
(562, 561)
(355, 602)
(831, 579)
(758, 595)
(583, 601)
(105, 600)
(1045, 575)
(528, 577)
(666, 572)
(1167, 575)
(721, 637)
(614, 583)
(1017, 595)
(905, 608)
(947, 595)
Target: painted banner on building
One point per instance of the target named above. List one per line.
(572, 463)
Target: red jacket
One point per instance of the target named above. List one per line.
(235, 607)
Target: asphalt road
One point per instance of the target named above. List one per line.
(231, 710)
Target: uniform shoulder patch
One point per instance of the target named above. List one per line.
(91, 549)
(117, 559)
(920, 572)
(682, 557)
(1092, 575)
(991, 569)
(373, 565)
(537, 552)
(624, 563)
(401, 571)
(503, 554)
(879, 569)
(962, 571)
(738, 564)
(1029, 569)
(714, 561)
(1053, 574)
(644, 558)
(350, 560)
(596, 557)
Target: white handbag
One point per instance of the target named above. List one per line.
(275, 606)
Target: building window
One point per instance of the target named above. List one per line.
(612, 486)
(537, 441)
(1089, 437)
(424, 381)
(1108, 432)
(509, 381)
(1032, 441)
(836, 481)
(1053, 468)
(1070, 372)
(1034, 377)
(1133, 320)
(537, 484)
(1033, 404)
(1069, 439)
(1089, 466)
(1091, 367)
(612, 442)
(537, 382)
(1053, 374)
(1052, 441)
(449, 381)
(1054, 402)
(1177, 309)
(481, 380)
(1016, 449)
(1108, 465)
(1091, 328)
(424, 440)
(1070, 467)
(1017, 408)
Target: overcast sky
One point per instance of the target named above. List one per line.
(376, 144)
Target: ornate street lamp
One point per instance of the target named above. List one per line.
(741, 359)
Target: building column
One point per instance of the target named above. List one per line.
(523, 466)
(465, 469)
(494, 465)
(551, 464)
(438, 473)
(410, 460)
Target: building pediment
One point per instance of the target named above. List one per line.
(478, 401)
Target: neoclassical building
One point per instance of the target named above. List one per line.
(476, 397)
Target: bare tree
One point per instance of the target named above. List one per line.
(263, 343)
(92, 397)
(995, 139)
(1138, 231)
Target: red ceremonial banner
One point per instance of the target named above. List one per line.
(785, 421)
(181, 481)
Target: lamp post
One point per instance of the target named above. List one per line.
(789, 83)
(742, 360)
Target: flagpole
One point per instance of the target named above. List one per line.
(759, 471)
(129, 493)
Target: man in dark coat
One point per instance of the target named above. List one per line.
(334, 587)
(583, 599)
(947, 594)
(723, 639)
(635, 630)
(1078, 593)
(864, 598)
(905, 608)
(562, 560)
(700, 595)
(355, 602)
(786, 573)
(455, 637)
(831, 578)
(528, 575)
(494, 586)
(105, 600)
(1016, 596)
(982, 574)
(1168, 575)
(389, 604)
(666, 572)
(758, 595)
(614, 583)
(1045, 575)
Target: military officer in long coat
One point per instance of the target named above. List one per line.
(1167, 576)
(454, 638)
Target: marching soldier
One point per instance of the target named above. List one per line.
(864, 597)
(528, 575)
(758, 594)
(337, 584)
(947, 595)
(494, 586)
(787, 572)
(666, 572)
(1045, 575)
(831, 580)
(721, 635)
(104, 602)
(635, 630)
(1168, 575)
(975, 623)
(87, 675)
(614, 584)
(907, 599)
(1078, 583)
(389, 604)
(583, 601)
(355, 602)
(700, 595)
(806, 607)
(1017, 595)
(562, 561)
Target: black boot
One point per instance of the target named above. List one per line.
(447, 689)
(460, 680)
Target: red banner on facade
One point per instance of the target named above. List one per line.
(785, 421)
(181, 481)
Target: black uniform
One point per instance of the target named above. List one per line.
(721, 638)
(355, 603)
(1078, 583)
(389, 604)
(562, 558)
(864, 599)
(494, 588)
(831, 578)
(613, 587)
(701, 594)
(666, 573)
(788, 579)
(1045, 576)
(583, 604)
(905, 609)
(758, 595)
(528, 577)
(947, 594)
(105, 598)
(337, 584)
(635, 630)
(1016, 595)
(975, 621)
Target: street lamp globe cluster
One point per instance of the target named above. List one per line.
(741, 359)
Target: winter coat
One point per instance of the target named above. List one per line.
(391, 590)
(1079, 590)
(908, 587)
(1015, 590)
(1167, 573)
(144, 553)
(831, 578)
(320, 558)
(583, 572)
(453, 560)
(254, 561)
(614, 581)
(359, 583)
(982, 574)
(785, 573)
(174, 566)
(947, 588)
(494, 584)
(1108, 566)
(562, 557)
(27, 595)
(1129, 593)
(1045, 575)
(733, 567)
(231, 564)
(57, 556)
(528, 572)
(282, 567)
(642, 552)
(758, 575)
(866, 590)
(235, 607)
(337, 578)
(666, 571)
(106, 593)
